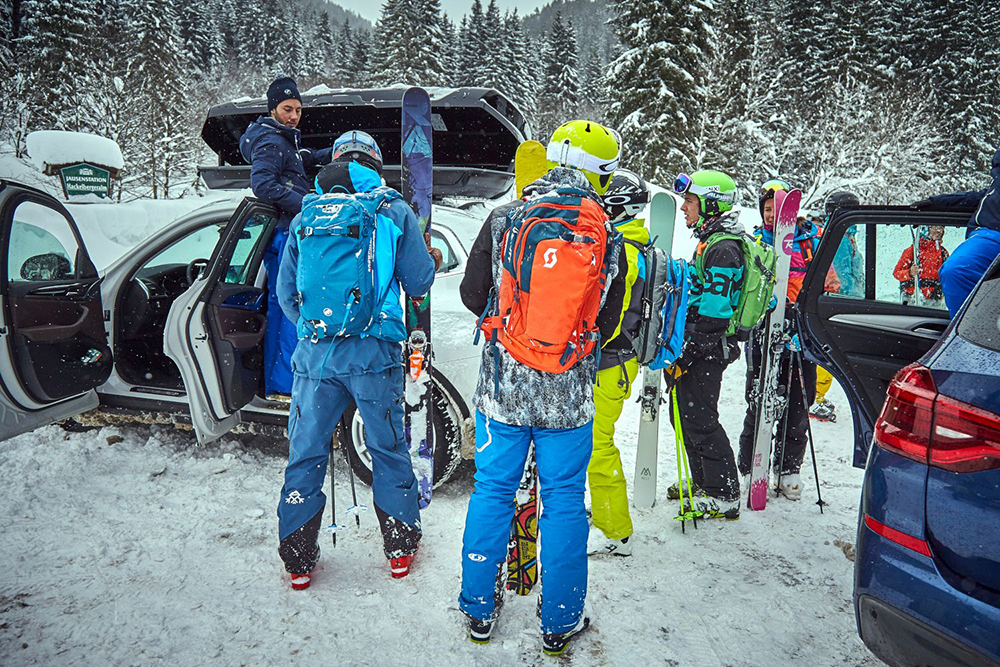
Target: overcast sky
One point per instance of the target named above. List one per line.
(370, 9)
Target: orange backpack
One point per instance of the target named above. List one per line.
(555, 252)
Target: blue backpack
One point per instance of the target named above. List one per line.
(660, 339)
(347, 257)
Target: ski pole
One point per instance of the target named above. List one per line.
(333, 527)
(682, 457)
(784, 422)
(812, 448)
(355, 508)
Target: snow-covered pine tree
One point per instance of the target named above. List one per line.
(6, 39)
(360, 60)
(449, 54)
(391, 49)
(427, 42)
(593, 101)
(659, 83)
(159, 82)
(558, 98)
(475, 57)
(54, 46)
(492, 38)
(520, 66)
(323, 55)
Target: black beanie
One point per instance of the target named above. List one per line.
(281, 89)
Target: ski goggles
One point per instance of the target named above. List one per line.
(774, 185)
(569, 155)
(684, 184)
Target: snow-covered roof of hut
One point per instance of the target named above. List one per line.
(55, 147)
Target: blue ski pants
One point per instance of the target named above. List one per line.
(961, 272)
(561, 456)
(280, 336)
(316, 407)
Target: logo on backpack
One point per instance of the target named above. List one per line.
(759, 261)
(346, 264)
(548, 319)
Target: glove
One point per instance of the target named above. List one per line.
(922, 204)
(674, 371)
(793, 344)
(435, 253)
(773, 303)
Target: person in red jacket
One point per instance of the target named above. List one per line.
(930, 256)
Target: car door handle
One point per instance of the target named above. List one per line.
(931, 328)
(48, 333)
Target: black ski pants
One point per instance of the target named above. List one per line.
(710, 454)
(788, 455)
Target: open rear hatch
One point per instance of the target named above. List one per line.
(476, 134)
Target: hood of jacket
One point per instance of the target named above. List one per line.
(728, 223)
(266, 126)
(634, 230)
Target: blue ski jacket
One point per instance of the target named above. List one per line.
(278, 164)
(987, 202)
(413, 271)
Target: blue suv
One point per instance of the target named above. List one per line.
(925, 397)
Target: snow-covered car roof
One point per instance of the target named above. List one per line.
(475, 130)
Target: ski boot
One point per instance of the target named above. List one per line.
(713, 508)
(673, 491)
(300, 582)
(823, 411)
(480, 631)
(790, 486)
(556, 643)
(600, 545)
(399, 567)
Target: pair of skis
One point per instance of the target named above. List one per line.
(771, 403)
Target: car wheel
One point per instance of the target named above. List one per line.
(446, 419)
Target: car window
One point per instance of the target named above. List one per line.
(847, 275)
(199, 244)
(908, 260)
(981, 322)
(42, 245)
(241, 264)
(449, 260)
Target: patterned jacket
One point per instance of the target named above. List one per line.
(528, 397)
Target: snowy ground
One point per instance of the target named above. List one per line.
(134, 546)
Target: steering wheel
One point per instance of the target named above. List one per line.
(194, 269)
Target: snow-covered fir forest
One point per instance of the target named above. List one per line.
(893, 100)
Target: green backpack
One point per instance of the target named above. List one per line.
(758, 281)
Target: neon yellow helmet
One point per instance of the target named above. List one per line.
(587, 146)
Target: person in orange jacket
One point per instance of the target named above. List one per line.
(931, 254)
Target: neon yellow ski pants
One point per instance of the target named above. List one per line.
(823, 382)
(608, 493)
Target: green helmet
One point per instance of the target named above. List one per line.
(715, 190)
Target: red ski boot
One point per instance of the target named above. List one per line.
(400, 567)
(300, 582)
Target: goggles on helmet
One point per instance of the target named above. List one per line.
(774, 185)
(568, 155)
(684, 184)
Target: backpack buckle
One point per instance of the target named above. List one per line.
(317, 326)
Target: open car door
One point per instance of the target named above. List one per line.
(215, 330)
(53, 346)
(878, 320)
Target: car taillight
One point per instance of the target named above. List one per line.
(920, 424)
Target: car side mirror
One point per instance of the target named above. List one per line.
(48, 266)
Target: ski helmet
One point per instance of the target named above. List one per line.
(360, 147)
(838, 199)
(587, 146)
(715, 190)
(767, 191)
(626, 197)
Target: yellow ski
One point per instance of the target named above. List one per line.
(529, 164)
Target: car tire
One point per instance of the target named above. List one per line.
(446, 418)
